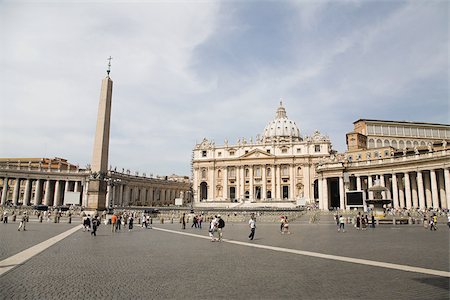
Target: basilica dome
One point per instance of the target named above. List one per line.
(281, 127)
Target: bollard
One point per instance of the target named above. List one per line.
(70, 220)
(161, 220)
(171, 220)
(394, 221)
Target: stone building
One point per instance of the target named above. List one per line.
(412, 160)
(276, 168)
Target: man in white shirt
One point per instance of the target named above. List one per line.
(252, 225)
(213, 228)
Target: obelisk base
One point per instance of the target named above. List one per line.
(97, 195)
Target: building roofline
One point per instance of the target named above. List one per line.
(401, 122)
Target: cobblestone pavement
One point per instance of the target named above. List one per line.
(162, 265)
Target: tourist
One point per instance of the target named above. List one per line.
(119, 222)
(448, 220)
(282, 224)
(5, 217)
(286, 226)
(144, 221)
(336, 218)
(130, 222)
(23, 222)
(213, 228)
(341, 223)
(433, 221)
(113, 223)
(87, 223)
(373, 221)
(95, 225)
(199, 221)
(252, 225)
(183, 221)
(220, 226)
(194, 222)
(358, 221)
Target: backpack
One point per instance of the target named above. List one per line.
(221, 223)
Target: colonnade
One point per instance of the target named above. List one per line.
(36, 191)
(418, 189)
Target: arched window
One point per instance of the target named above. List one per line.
(401, 144)
(247, 173)
(269, 172)
(299, 171)
(408, 144)
(394, 144)
(371, 143)
(386, 143)
(203, 173)
(379, 143)
(219, 173)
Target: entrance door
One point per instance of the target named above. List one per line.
(203, 191)
(285, 192)
(232, 193)
(258, 192)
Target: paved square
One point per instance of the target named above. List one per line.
(165, 263)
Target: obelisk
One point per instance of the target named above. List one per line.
(99, 167)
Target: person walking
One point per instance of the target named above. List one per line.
(23, 222)
(220, 226)
(433, 221)
(194, 222)
(213, 228)
(130, 222)
(252, 225)
(448, 220)
(5, 217)
(95, 225)
(144, 221)
(286, 226)
(183, 221)
(113, 223)
(341, 223)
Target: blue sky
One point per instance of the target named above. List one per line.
(185, 70)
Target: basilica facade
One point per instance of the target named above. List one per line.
(277, 167)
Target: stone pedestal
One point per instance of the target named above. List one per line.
(96, 195)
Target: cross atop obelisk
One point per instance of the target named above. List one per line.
(99, 166)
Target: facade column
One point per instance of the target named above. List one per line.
(325, 194)
(5, 190)
(447, 185)
(211, 184)
(84, 200)
(420, 190)
(341, 193)
(121, 195)
(307, 183)
(383, 184)
(48, 195)
(57, 196)
(292, 171)
(16, 191)
(369, 185)
(27, 195)
(278, 185)
(108, 195)
(225, 183)
(264, 182)
(407, 190)
(76, 186)
(395, 191)
(442, 190)
(273, 182)
(414, 194)
(38, 192)
(434, 189)
(358, 183)
(251, 192)
(243, 182)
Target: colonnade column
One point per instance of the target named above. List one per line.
(414, 194)
(5, 190)
(407, 190)
(434, 190)
(358, 183)
(428, 197)
(447, 185)
(16, 191)
(57, 196)
(48, 193)
(369, 185)
(442, 190)
(27, 195)
(420, 190)
(242, 187)
(325, 194)
(395, 191)
(38, 192)
(320, 190)
(341, 193)
(401, 193)
(383, 184)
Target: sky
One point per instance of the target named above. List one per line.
(188, 70)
